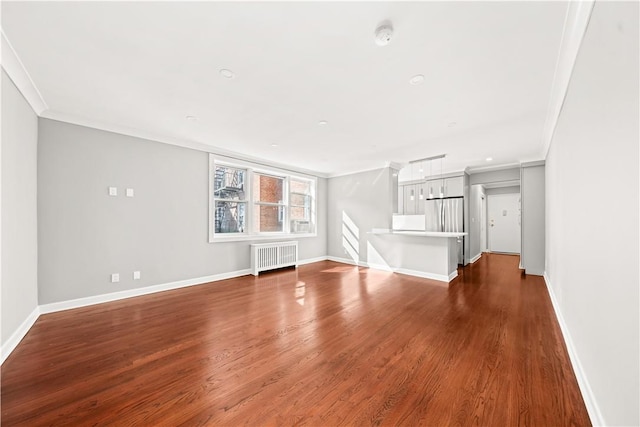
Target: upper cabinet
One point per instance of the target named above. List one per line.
(412, 195)
(449, 187)
(454, 187)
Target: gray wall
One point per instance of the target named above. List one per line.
(532, 210)
(592, 212)
(86, 235)
(19, 209)
(364, 199)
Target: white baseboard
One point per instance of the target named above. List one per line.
(476, 258)
(17, 336)
(346, 261)
(312, 260)
(408, 272)
(583, 383)
(423, 275)
(114, 296)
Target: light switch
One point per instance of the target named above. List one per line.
(113, 191)
(129, 192)
(115, 277)
(136, 275)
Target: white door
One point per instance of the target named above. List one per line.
(503, 212)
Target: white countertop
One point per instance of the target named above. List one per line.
(417, 233)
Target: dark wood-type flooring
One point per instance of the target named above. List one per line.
(327, 344)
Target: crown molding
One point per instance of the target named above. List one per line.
(153, 137)
(575, 26)
(472, 171)
(532, 164)
(17, 72)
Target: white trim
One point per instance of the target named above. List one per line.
(393, 165)
(18, 335)
(472, 171)
(150, 136)
(345, 261)
(475, 258)
(575, 26)
(17, 72)
(587, 393)
(312, 260)
(114, 296)
(406, 271)
(532, 164)
(353, 172)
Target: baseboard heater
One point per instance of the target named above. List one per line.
(269, 256)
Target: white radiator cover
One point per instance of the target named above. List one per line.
(268, 256)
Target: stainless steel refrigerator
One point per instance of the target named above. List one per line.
(446, 215)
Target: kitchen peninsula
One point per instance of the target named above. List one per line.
(428, 254)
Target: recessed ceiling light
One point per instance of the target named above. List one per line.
(323, 123)
(488, 159)
(192, 118)
(417, 79)
(227, 73)
(452, 124)
(274, 145)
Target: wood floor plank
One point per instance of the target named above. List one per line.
(326, 344)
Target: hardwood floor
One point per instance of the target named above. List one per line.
(327, 344)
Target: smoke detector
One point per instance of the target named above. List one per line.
(383, 34)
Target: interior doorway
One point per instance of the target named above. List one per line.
(503, 219)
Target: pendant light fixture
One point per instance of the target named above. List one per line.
(430, 174)
(430, 194)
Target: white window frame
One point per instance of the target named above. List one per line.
(251, 170)
(311, 207)
(212, 199)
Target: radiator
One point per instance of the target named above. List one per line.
(267, 256)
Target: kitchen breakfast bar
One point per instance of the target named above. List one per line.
(428, 254)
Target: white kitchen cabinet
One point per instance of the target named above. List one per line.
(412, 203)
(450, 187)
(410, 199)
(432, 187)
(454, 187)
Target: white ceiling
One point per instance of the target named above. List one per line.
(489, 67)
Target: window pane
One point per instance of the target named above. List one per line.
(299, 200)
(230, 217)
(268, 218)
(299, 213)
(303, 187)
(268, 189)
(228, 183)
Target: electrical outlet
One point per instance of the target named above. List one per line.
(129, 192)
(136, 275)
(113, 191)
(115, 277)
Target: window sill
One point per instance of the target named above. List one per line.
(254, 237)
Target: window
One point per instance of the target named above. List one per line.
(300, 196)
(248, 203)
(269, 206)
(230, 201)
